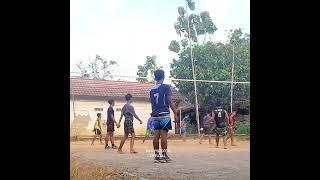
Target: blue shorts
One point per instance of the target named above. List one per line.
(162, 123)
(183, 130)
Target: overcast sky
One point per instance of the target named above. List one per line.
(129, 30)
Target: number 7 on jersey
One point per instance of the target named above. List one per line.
(157, 97)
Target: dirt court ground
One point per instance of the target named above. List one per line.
(191, 160)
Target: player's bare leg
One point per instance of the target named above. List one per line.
(112, 140)
(101, 139)
(224, 142)
(132, 143)
(94, 137)
(122, 143)
(164, 144)
(217, 141)
(200, 139)
(106, 141)
(209, 136)
(156, 138)
(144, 138)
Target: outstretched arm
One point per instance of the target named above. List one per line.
(135, 115)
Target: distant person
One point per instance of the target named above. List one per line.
(183, 127)
(221, 118)
(128, 112)
(231, 127)
(150, 129)
(209, 126)
(97, 129)
(110, 125)
(160, 98)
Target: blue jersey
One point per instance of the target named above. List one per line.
(159, 99)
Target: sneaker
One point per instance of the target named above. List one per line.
(107, 147)
(166, 158)
(114, 147)
(157, 158)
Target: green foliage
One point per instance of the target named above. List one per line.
(198, 24)
(213, 61)
(243, 128)
(184, 43)
(149, 67)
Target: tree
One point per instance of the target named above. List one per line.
(213, 61)
(99, 68)
(148, 68)
(199, 25)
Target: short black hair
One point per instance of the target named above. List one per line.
(128, 96)
(99, 114)
(158, 74)
(209, 111)
(111, 101)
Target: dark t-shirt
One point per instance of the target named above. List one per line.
(220, 117)
(110, 112)
(128, 112)
(159, 99)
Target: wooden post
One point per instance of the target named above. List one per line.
(194, 74)
(231, 90)
(180, 123)
(74, 118)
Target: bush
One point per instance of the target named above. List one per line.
(243, 128)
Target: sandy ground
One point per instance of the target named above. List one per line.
(191, 160)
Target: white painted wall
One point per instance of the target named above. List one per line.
(86, 107)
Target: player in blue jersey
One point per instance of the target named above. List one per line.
(160, 98)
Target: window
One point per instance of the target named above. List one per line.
(98, 109)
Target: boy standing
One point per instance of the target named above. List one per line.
(231, 127)
(222, 119)
(209, 126)
(110, 125)
(97, 129)
(128, 113)
(184, 128)
(160, 98)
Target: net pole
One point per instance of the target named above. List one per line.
(193, 73)
(180, 123)
(74, 113)
(232, 70)
(74, 118)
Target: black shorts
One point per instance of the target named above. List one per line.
(222, 131)
(97, 132)
(110, 127)
(128, 127)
